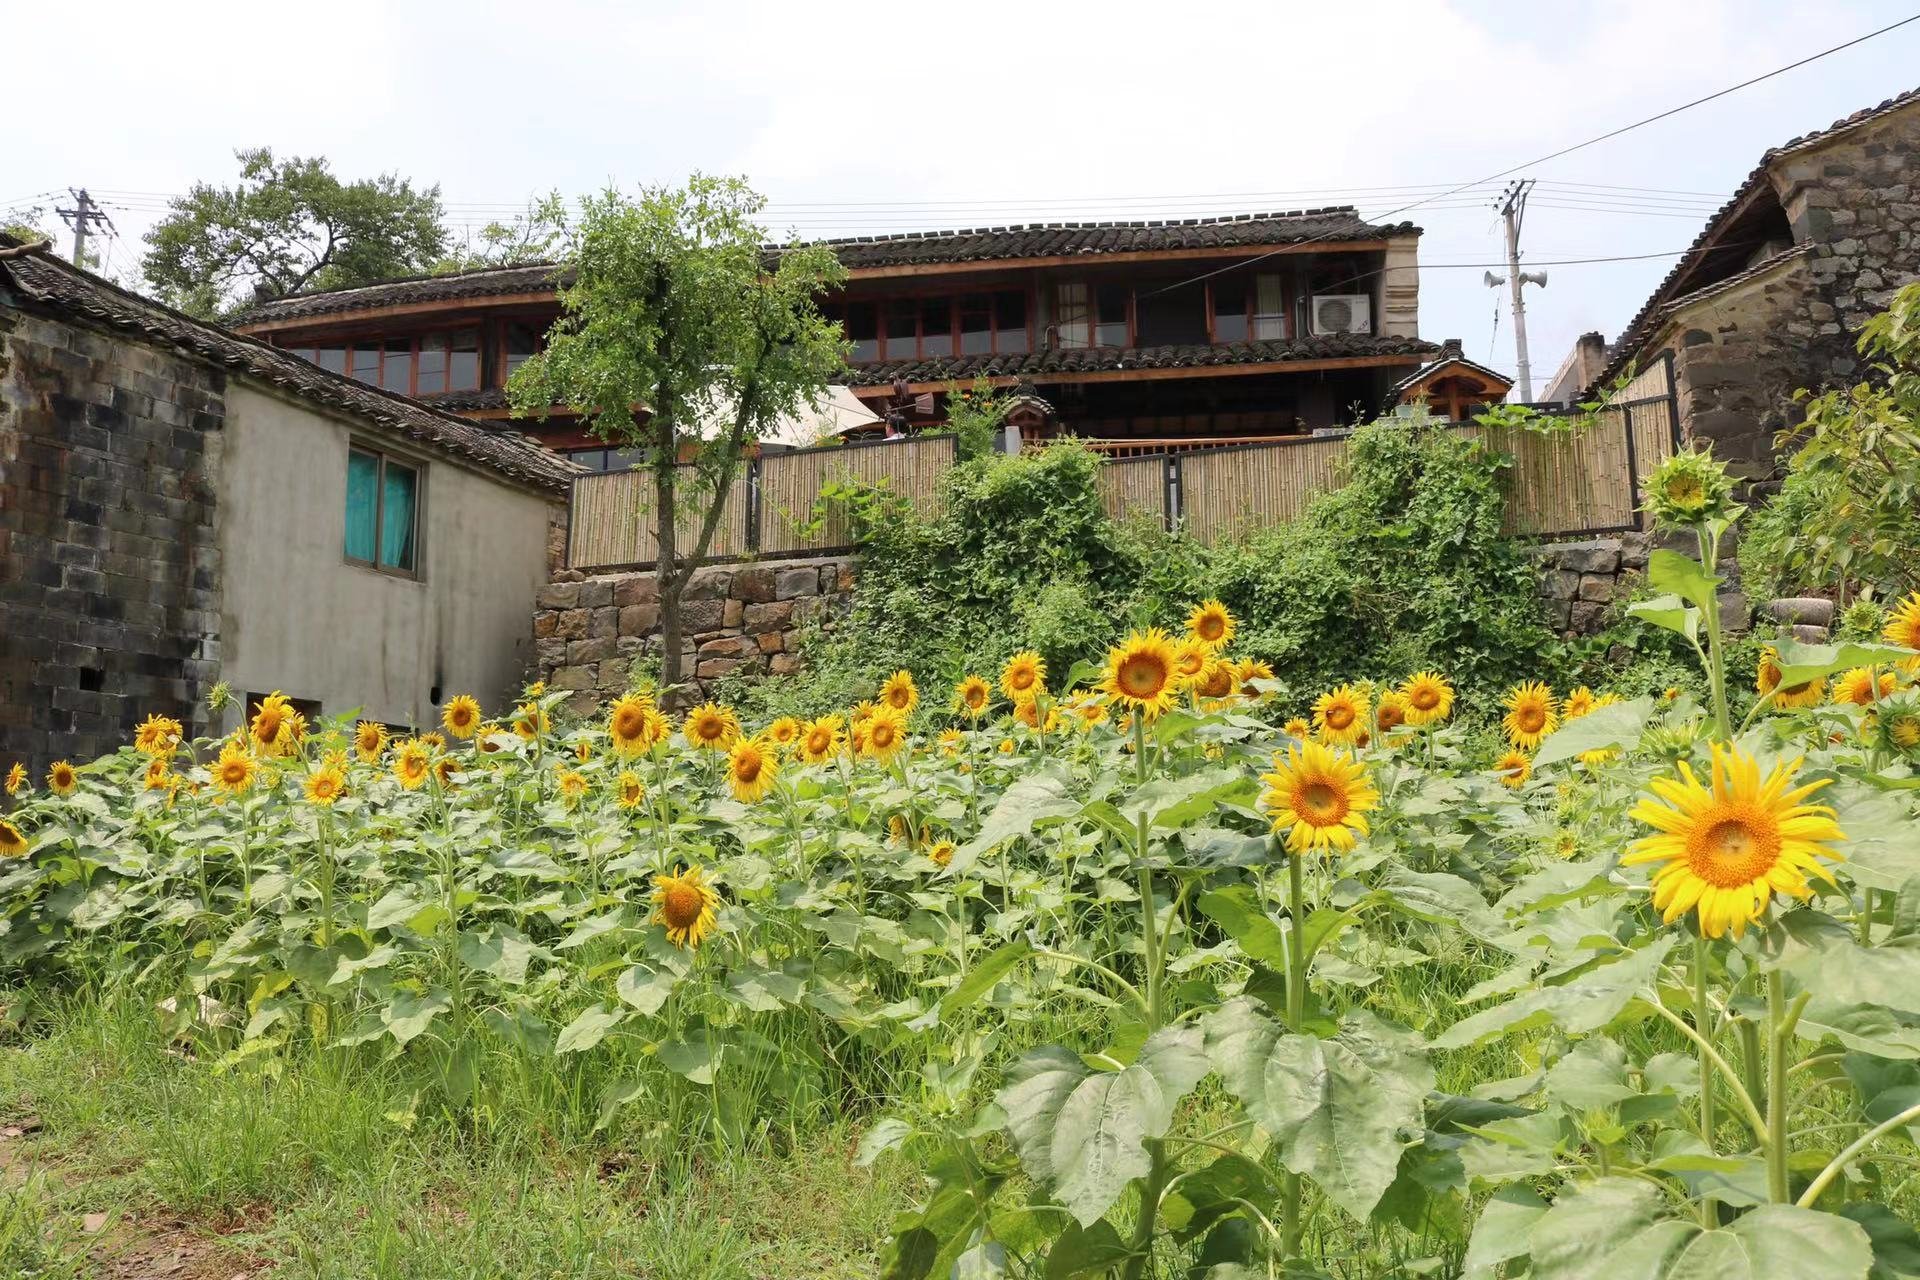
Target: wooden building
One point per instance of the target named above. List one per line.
(1136, 335)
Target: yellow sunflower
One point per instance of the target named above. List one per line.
(684, 903)
(1903, 628)
(1340, 715)
(537, 688)
(1248, 670)
(1429, 698)
(446, 771)
(941, 853)
(12, 843)
(628, 790)
(583, 750)
(325, 785)
(900, 693)
(950, 741)
(972, 696)
(412, 761)
(1024, 676)
(630, 725)
(158, 776)
(1140, 673)
(1211, 625)
(573, 785)
(62, 779)
(16, 778)
(1297, 728)
(1514, 768)
(1856, 685)
(1577, 704)
(783, 733)
(461, 716)
(751, 768)
(1007, 746)
(711, 727)
(234, 769)
(1391, 712)
(1318, 798)
(1724, 850)
(1766, 679)
(158, 736)
(1531, 714)
(1089, 712)
(369, 740)
(272, 727)
(821, 740)
(1190, 659)
(881, 737)
(1215, 683)
(434, 740)
(530, 721)
(1028, 713)
(487, 739)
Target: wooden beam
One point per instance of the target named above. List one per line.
(346, 317)
(1062, 377)
(1096, 260)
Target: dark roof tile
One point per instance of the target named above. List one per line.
(1055, 364)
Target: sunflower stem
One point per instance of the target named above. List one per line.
(1702, 1022)
(1752, 1069)
(1716, 648)
(1781, 1032)
(1140, 1250)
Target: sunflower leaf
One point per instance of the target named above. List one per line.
(1800, 663)
(1584, 1003)
(1609, 728)
(1670, 612)
(1683, 576)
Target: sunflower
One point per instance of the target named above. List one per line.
(1246, 672)
(233, 771)
(369, 740)
(530, 721)
(1688, 490)
(628, 790)
(1340, 715)
(1724, 850)
(882, 737)
(272, 727)
(1024, 676)
(1211, 625)
(821, 740)
(157, 777)
(1577, 704)
(972, 696)
(487, 739)
(411, 762)
(1190, 659)
(583, 751)
(941, 853)
(1297, 728)
(12, 843)
(900, 693)
(1391, 712)
(751, 768)
(1429, 698)
(1857, 686)
(157, 736)
(711, 727)
(627, 725)
(684, 904)
(1514, 768)
(1318, 798)
(1007, 746)
(536, 689)
(16, 778)
(434, 740)
(1140, 673)
(783, 733)
(1895, 725)
(1766, 679)
(1531, 714)
(897, 831)
(62, 779)
(325, 785)
(573, 785)
(446, 771)
(1903, 628)
(1088, 712)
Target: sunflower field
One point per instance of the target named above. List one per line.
(1140, 971)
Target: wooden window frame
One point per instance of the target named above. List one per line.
(884, 348)
(1251, 292)
(1092, 285)
(499, 373)
(416, 573)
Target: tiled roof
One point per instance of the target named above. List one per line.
(1428, 370)
(1060, 365)
(46, 280)
(1640, 329)
(981, 244)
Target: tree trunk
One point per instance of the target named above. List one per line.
(666, 568)
(670, 589)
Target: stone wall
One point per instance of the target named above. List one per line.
(735, 619)
(1580, 582)
(109, 568)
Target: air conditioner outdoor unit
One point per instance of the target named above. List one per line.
(1342, 313)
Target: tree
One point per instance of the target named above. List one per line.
(534, 236)
(289, 225)
(683, 336)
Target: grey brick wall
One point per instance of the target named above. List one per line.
(109, 571)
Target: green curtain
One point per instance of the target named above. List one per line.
(363, 478)
(396, 519)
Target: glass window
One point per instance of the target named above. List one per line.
(366, 364)
(1229, 309)
(397, 488)
(395, 369)
(902, 331)
(936, 326)
(432, 365)
(1112, 328)
(976, 324)
(1269, 307)
(1073, 315)
(522, 340)
(363, 504)
(463, 360)
(863, 330)
(333, 359)
(1010, 321)
(305, 353)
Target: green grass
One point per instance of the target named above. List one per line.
(334, 1170)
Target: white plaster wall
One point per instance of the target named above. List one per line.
(295, 616)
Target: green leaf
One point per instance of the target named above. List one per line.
(694, 1061)
(408, 1013)
(587, 1029)
(1037, 1086)
(1099, 1140)
(500, 950)
(1176, 1058)
(1670, 612)
(1586, 1002)
(1236, 909)
(1502, 1231)
(1035, 798)
(1174, 802)
(1684, 577)
(1610, 728)
(1439, 898)
(1800, 663)
(1086, 1251)
(884, 1135)
(646, 988)
(1896, 1246)
(764, 990)
(395, 907)
(982, 977)
(1592, 1076)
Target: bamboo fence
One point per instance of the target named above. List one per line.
(610, 522)
(791, 483)
(1132, 487)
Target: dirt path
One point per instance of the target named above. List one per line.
(121, 1242)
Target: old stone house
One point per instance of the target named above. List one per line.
(1771, 296)
(181, 505)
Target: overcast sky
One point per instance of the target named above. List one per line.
(894, 116)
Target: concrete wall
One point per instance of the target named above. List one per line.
(296, 616)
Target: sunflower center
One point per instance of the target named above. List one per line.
(818, 741)
(628, 723)
(1142, 676)
(747, 767)
(1685, 490)
(1320, 802)
(1389, 717)
(681, 905)
(1531, 719)
(1211, 628)
(1339, 716)
(1425, 699)
(1733, 846)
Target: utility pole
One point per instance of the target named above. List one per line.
(1513, 207)
(83, 213)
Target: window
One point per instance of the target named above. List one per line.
(332, 359)
(863, 330)
(976, 324)
(1252, 306)
(448, 362)
(1111, 308)
(383, 512)
(607, 459)
(396, 365)
(1010, 321)
(936, 326)
(1073, 314)
(1092, 316)
(932, 327)
(519, 342)
(1269, 307)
